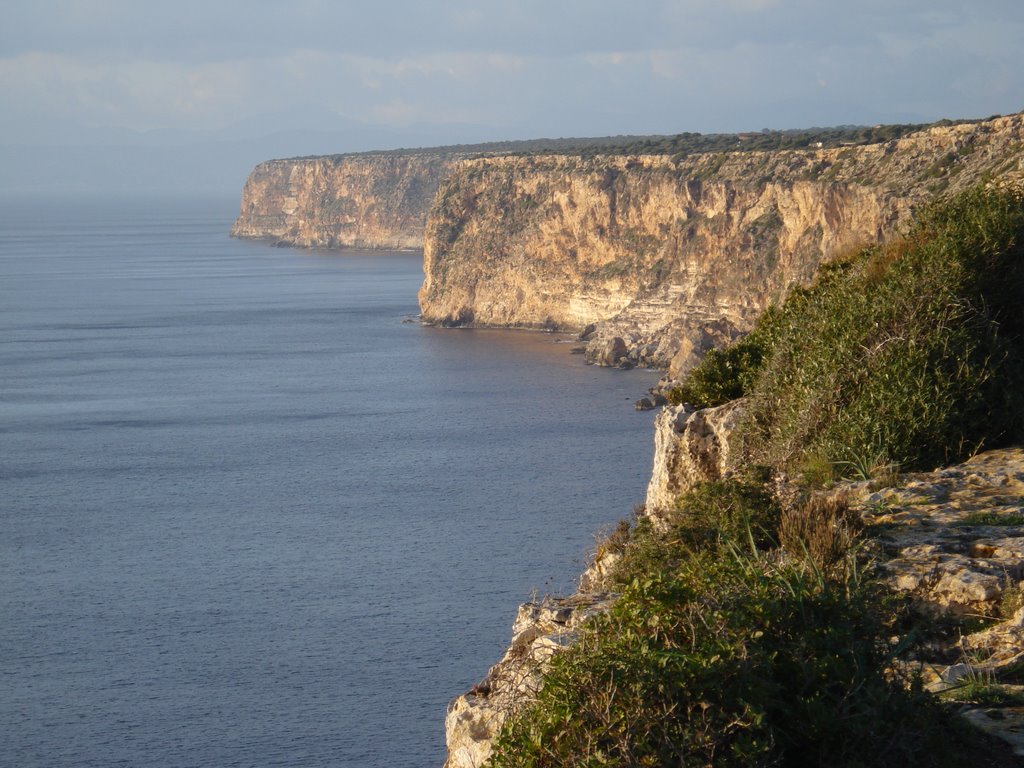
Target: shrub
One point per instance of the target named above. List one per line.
(723, 375)
(822, 528)
(726, 512)
(711, 516)
(912, 351)
(730, 659)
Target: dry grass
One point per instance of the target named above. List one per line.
(822, 527)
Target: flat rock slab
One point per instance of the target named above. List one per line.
(953, 539)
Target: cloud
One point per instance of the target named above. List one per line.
(134, 93)
(532, 67)
(143, 94)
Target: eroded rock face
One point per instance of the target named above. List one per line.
(690, 446)
(676, 256)
(360, 201)
(541, 630)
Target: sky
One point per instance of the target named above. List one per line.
(138, 97)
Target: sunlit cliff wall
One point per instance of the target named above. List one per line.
(675, 255)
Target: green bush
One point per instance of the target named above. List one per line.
(724, 374)
(732, 657)
(724, 512)
(911, 351)
(713, 516)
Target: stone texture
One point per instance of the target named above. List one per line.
(541, 629)
(689, 446)
(612, 352)
(938, 549)
(678, 255)
(953, 541)
(1006, 723)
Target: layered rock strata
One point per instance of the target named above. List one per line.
(358, 201)
(667, 257)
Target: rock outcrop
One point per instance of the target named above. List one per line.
(675, 255)
(690, 446)
(360, 201)
(541, 629)
(953, 540)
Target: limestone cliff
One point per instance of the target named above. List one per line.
(361, 201)
(673, 255)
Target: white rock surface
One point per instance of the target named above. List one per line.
(690, 446)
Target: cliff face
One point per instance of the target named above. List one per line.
(676, 255)
(361, 201)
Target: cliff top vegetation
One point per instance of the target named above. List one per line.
(909, 353)
(678, 144)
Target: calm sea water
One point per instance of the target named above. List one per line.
(250, 517)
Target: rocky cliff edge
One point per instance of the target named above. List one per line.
(343, 201)
(950, 541)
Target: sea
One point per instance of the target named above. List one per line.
(252, 512)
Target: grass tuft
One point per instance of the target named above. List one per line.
(822, 528)
(991, 517)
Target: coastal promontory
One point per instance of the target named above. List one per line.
(374, 200)
(655, 251)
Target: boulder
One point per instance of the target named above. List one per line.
(612, 352)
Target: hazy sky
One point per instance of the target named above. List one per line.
(223, 85)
